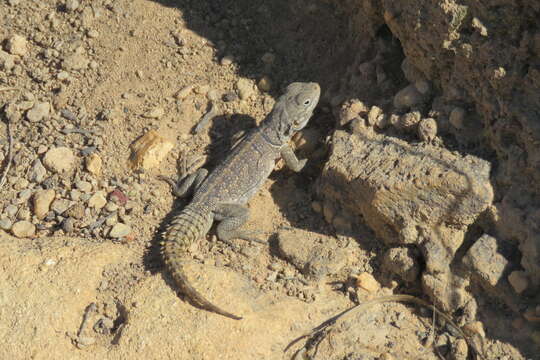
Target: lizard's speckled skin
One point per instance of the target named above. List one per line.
(223, 194)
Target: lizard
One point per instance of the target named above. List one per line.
(222, 194)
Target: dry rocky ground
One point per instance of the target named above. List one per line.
(423, 178)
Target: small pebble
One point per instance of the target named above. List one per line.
(72, 5)
(38, 112)
(264, 84)
(22, 229)
(11, 210)
(42, 149)
(5, 224)
(230, 96)
(201, 89)
(21, 183)
(67, 114)
(457, 118)
(23, 214)
(155, 113)
(59, 159)
(268, 58)
(84, 186)
(519, 281)
(62, 75)
(42, 202)
(118, 197)
(93, 164)
(227, 60)
(24, 195)
(427, 129)
(245, 88)
(184, 92)
(84, 341)
(408, 97)
(60, 205)
(374, 114)
(97, 201)
(75, 61)
(460, 350)
(75, 195)
(93, 34)
(213, 95)
(68, 225)
(120, 230)
(367, 282)
(17, 45)
(111, 206)
(409, 120)
(76, 211)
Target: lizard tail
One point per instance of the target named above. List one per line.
(186, 228)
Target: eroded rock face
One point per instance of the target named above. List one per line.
(408, 194)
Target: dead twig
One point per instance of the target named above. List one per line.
(323, 329)
(10, 155)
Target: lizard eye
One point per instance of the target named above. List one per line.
(307, 102)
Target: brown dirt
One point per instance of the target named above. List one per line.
(108, 63)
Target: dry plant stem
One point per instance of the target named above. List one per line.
(385, 299)
(10, 155)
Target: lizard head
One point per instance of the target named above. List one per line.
(301, 99)
(293, 109)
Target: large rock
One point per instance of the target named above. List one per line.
(408, 194)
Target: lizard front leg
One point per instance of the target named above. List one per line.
(291, 160)
(232, 217)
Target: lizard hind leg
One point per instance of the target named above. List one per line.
(232, 217)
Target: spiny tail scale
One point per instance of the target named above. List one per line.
(186, 228)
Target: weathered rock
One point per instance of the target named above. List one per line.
(408, 194)
(485, 261)
(22, 229)
(42, 202)
(59, 159)
(149, 150)
(402, 262)
(308, 255)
